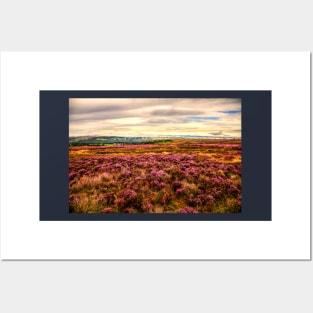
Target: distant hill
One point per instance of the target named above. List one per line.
(111, 140)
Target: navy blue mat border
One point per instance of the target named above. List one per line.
(256, 155)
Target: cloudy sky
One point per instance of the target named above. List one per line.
(155, 117)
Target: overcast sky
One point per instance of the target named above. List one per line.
(155, 117)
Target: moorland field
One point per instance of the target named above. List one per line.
(171, 176)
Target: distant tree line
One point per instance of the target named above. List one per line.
(127, 142)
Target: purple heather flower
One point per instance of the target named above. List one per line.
(107, 210)
(187, 210)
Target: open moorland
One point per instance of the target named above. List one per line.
(174, 176)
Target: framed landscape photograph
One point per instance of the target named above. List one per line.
(155, 156)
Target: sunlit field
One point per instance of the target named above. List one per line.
(179, 176)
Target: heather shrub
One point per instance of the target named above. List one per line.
(156, 178)
(187, 210)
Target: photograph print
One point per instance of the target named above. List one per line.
(155, 155)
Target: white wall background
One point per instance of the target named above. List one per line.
(242, 286)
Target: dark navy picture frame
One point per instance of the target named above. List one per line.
(256, 119)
